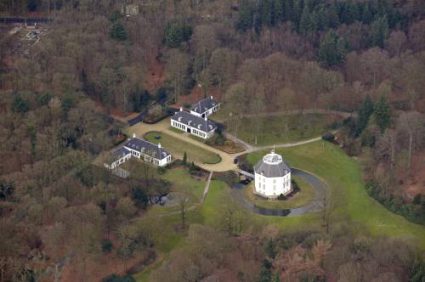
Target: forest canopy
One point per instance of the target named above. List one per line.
(66, 98)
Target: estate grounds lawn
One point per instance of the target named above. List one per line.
(184, 187)
(350, 204)
(300, 198)
(272, 130)
(352, 210)
(178, 148)
(165, 219)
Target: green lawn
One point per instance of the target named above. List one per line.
(163, 220)
(219, 198)
(352, 207)
(178, 147)
(304, 196)
(184, 186)
(351, 204)
(281, 129)
(183, 182)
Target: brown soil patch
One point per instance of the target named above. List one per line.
(155, 77)
(196, 95)
(415, 184)
(15, 161)
(420, 105)
(230, 147)
(97, 268)
(115, 112)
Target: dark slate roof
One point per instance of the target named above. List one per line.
(204, 105)
(119, 153)
(146, 147)
(194, 121)
(279, 169)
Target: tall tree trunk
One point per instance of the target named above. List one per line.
(409, 161)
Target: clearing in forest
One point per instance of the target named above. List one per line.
(263, 130)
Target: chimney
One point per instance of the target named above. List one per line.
(181, 109)
(159, 145)
(205, 117)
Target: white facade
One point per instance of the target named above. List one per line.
(272, 177)
(192, 130)
(205, 107)
(118, 162)
(140, 149)
(149, 159)
(272, 187)
(207, 113)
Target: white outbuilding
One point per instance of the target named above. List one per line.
(141, 149)
(205, 107)
(195, 125)
(272, 176)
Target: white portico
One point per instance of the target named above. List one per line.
(272, 176)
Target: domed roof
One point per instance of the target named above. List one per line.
(272, 165)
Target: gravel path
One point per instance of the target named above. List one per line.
(207, 187)
(227, 160)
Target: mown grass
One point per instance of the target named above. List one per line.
(183, 182)
(302, 197)
(350, 204)
(165, 222)
(349, 201)
(219, 198)
(211, 207)
(177, 148)
(282, 129)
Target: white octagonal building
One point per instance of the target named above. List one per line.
(272, 176)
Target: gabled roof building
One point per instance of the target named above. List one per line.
(117, 158)
(205, 107)
(148, 151)
(193, 124)
(141, 149)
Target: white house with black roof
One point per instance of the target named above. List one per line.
(272, 176)
(148, 151)
(117, 158)
(195, 125)
(205, 107)
(141, 149)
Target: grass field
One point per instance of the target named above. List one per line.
(219, 198)
(183, 182)
(163, 220)
(183, 186)
(304, 196)
(350, 202)
(282, 129)
(178, 147)
(352, 209)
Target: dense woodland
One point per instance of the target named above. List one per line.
(57, 98)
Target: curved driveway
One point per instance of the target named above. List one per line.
(227, 164)
(227, 160)
(316, 205)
